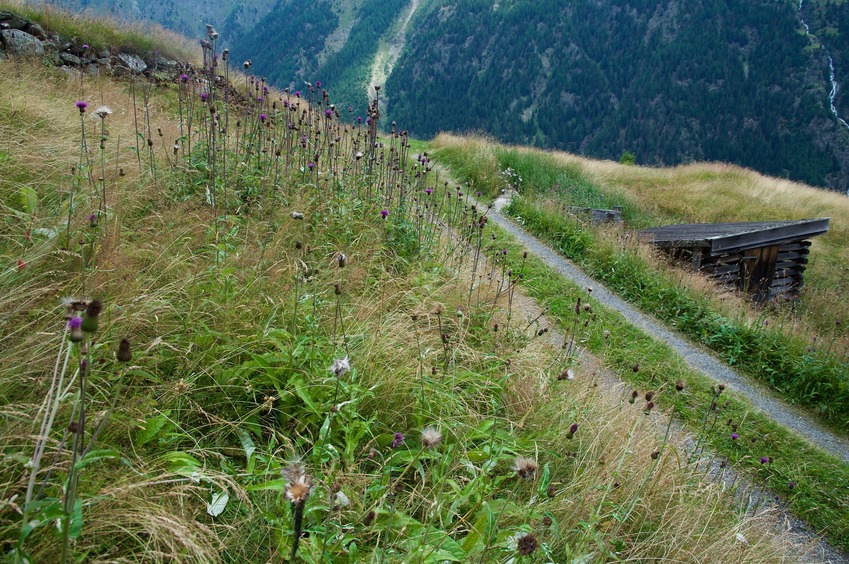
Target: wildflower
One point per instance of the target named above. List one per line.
(297, 93)
(311, 166)
(526, 544)
(85, 46)
(397, 440)
(204, 97)
(247, 64)
(340, 366)
(573, 428)
(298, 487)
(184, 78)
(546, 521)
(551, 492)
(124, 354)
(649, 407)
(792, 485)
(92, 220)
(567, 374)
(262, 117)
(71, 305)
(633, 397)
(679, 385)
(649, 395)
(525, 467)
(75, 327)
(765, 460)
(92, 311)
(734, 436)
(384, 212)
(81, 106)
(431, 437)
(428, 191)
(328, 113)
(298, 484)
(359, 155)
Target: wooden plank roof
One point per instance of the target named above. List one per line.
(719, 238)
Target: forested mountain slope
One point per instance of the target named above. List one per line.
(669, 81)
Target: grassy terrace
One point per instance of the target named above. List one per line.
(656, 287)
(267, 349)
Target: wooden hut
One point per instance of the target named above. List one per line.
(765, 259)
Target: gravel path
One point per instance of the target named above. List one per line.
(697, 358)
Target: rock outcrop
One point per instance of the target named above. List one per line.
(21, 37)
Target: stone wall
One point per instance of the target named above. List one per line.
(20, 37)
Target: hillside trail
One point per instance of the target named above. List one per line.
(807, 545)
(696, 357)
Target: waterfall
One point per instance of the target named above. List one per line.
(832, 95)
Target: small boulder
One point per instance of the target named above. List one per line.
(91, 69)
(163, 63)
(19, 43)
(70, 59)
(36, 31)
(9, 20)
(131, 62)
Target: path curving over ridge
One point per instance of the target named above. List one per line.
(760, 397)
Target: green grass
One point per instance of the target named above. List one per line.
(811, 376)
(236, 302)
(99, 33)
(646, 363)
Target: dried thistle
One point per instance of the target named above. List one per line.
(525, 467)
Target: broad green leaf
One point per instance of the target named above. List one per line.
(278, 484)
(247, 444)
(218, 503)
(29, 199)
(152, 427)
(95, 455)
(545, 480)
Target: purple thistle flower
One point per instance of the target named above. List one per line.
(318, 84)
(81, 106)
(350, 109)
(297, 93)
(359, 119)
(328, 112)
(791, 485)
(397, 440)
(765, 460)
(85, 45)
(311, 166)
(428, 191)
(262, 117)
(265, 89)
(184, 78)
(368, 121)
(75, 322)
(204, 96)
(734, 436)
(384, 212)
(259, 99)
(479, 193)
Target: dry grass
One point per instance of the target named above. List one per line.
(193, 324)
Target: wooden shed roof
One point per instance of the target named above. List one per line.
(719, 238)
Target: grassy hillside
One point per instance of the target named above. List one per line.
(238, 337)
(801, 348)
